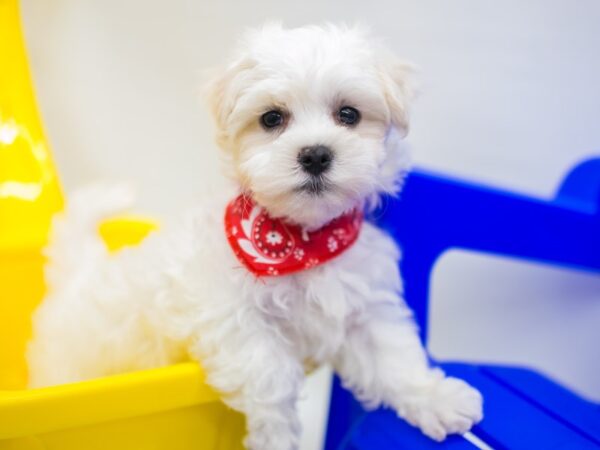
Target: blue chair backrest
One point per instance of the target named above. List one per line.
(434, 214)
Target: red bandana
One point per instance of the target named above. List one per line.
(268, 246)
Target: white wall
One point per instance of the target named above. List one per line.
(510, 96)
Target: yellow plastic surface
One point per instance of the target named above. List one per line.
(29, 189)
(168, 408)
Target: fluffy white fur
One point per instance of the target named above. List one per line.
(182, 294)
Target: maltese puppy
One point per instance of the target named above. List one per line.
(277, 276)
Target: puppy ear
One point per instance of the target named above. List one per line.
(215, 92)
(221, 94)
(398, 80)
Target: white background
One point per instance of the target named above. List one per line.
(511, 97)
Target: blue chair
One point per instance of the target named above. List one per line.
(523, 409)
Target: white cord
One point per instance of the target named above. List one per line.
(477, 442)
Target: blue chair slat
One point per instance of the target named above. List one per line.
(434, 214)
(515, 417)
(382, 430)
(555, 400)
(513, 420)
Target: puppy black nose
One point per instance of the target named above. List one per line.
(315, 160)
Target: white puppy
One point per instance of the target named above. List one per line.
(311, 121)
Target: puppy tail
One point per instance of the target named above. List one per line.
(75, 245)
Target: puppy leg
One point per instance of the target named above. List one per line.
(383, 362)
(257, 375)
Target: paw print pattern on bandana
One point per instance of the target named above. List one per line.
(273, 247)
(312, 262)
(298, 254)
(332, 244)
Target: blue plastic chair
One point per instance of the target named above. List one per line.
(523, 409)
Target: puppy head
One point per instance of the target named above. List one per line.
(311, 120)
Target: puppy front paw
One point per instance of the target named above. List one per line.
(450, 406)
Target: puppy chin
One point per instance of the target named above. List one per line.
(311, 206)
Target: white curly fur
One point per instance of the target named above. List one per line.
(182, 293)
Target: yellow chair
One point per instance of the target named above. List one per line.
(167, 408)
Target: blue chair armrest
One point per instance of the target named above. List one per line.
(434, 214)
(581, 187)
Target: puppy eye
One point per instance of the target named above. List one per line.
(271, 119)
(348, 115)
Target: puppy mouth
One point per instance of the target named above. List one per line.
(316, 186)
